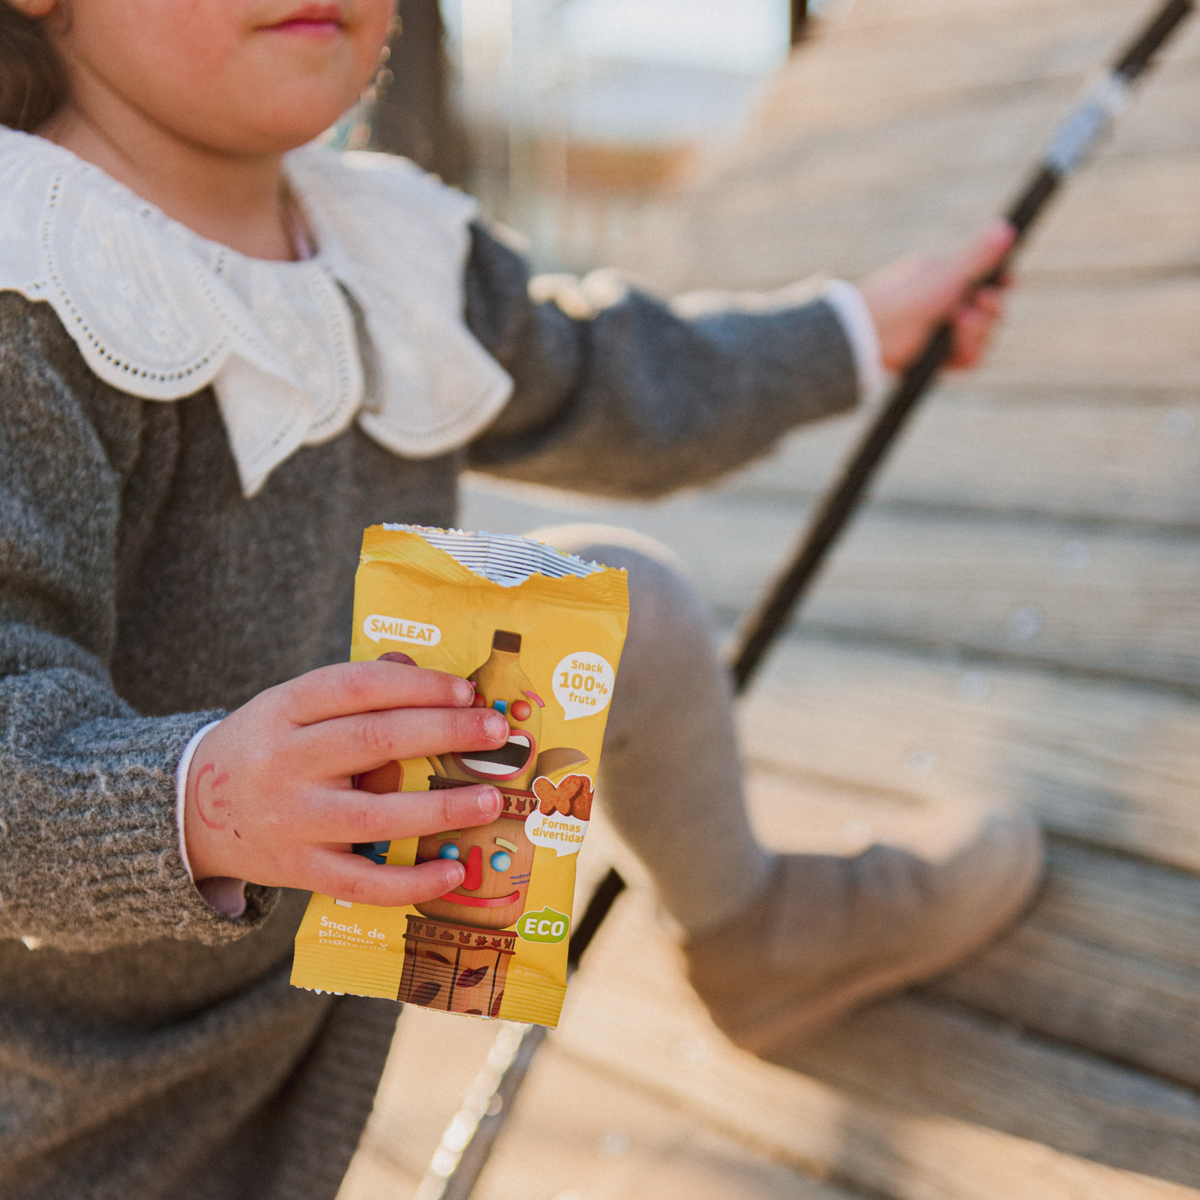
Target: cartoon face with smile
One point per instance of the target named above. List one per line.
(511, 763)
(498, 859)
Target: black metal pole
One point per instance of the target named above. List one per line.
(799, 21)
(468, 1140)
(490, 1100)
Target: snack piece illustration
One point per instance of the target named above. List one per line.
(572, 797)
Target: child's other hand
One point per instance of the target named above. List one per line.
(269, 790)
(911, 296)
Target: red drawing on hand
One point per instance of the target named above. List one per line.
(217, 806)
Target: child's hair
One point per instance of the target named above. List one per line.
(32, 81)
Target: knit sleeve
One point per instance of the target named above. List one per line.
(619, 393)
(89, 853)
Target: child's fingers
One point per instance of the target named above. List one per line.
(971, 330)
(350, 745)
(347, 688)
(353, 816)
(354, 878)
(990, 302)
(984, 252)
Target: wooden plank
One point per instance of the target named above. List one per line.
(939, 115)
(889, 192)
(1131, 213)
(1131, 335)
(1101, 600)
(371, 1176)
(1108, 959)
(855, 72)
(937, 1060)
(849, 195)
(433, 1061)
(576, 1131)
(1109, 456)
(773, 211)
(932, 1136)
(1114, 765)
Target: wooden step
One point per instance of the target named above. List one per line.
(1111, 600)
(1088, 455)
(575, 1131)
(578, 1131)
(914, 1100)
(1111, 764)
(855, 73)
(1109, 960)
(926, 183)
(868, 174)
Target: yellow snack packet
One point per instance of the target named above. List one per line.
(539, 633)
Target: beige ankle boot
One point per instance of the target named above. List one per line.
(832, 934)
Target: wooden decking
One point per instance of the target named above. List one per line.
(1015, 619)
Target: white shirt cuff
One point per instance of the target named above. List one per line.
(226, 896)
(846, 300)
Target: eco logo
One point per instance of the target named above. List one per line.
(544, 926)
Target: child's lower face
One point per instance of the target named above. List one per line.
(233, 76)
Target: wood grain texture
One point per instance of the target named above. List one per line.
(1114, 765)
(577, 1131)
(1109, 600)
(914, 1101)
(1088, 455)
(1109, 959)
(933, 1059)
(859, 154)
(574, 1131)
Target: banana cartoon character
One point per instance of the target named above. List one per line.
(498, 858)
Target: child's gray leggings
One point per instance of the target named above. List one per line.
(671, 779)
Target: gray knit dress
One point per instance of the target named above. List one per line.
(149, 1047)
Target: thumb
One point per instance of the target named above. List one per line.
(985, 251)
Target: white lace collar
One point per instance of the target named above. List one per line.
(160, 312)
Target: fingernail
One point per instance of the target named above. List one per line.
(464, 692)
(496, 725)
(455, 875)
(488, 801)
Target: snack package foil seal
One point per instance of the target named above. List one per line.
(540, 634)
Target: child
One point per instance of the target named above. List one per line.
(217, 365)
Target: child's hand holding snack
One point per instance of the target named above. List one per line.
(270, 795)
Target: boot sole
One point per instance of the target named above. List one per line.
(794, 1027)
